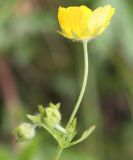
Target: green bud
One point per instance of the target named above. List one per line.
(53, 116)
(25, 131)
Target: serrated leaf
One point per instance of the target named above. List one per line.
(84, 136)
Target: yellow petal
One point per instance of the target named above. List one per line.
(74, 21)
(80, 23)
(100, 19)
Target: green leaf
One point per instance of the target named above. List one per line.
(84, 136)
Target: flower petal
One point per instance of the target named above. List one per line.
(80, 23)
(74, 20)
(100, 19)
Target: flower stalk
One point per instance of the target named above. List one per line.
(86, 69)
(86, 65)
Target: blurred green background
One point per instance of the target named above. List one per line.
(37, 66)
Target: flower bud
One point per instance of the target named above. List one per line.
(53, 116)
(25, 131)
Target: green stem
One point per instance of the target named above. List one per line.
(59, 153)
(80, 95)
(84, 82)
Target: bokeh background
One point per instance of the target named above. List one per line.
(38, 66)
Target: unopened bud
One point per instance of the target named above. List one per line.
(25, 131)
(53, 116)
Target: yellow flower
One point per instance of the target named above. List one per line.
(81, 23)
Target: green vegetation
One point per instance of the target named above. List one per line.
(38, 66)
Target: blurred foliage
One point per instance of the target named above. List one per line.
(37, 66)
